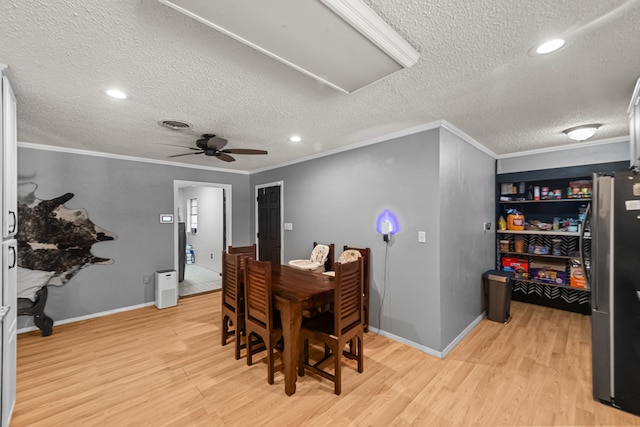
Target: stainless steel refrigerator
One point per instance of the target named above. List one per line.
(614, 277)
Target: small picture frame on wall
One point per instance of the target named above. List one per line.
(166, 218)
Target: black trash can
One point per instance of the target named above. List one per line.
(498, 286)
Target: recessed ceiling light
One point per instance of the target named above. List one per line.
(549, 46)
(295, 138)
(175, 124)
(116, 93)
(582, 133)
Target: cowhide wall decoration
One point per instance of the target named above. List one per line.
(54, 242)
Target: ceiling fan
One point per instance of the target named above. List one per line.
(211, 145)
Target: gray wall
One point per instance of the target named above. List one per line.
(337, 199)
(125, 197)
(467, 194)
(580, 154)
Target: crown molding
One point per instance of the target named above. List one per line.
(127, 158)
(467, 138)
(557, 148)
(371, 25)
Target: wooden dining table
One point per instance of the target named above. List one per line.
(294, 290)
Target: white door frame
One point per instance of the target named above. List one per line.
(177, 184)
(258, 187)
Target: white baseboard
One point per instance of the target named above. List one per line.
(88, 316)
(463, 334)
(428, 350)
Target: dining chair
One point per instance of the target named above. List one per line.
(336, 329)
(366, 274)
(261, 322)
(233, 309)
(245, 251)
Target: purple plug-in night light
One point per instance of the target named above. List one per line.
(387, 224)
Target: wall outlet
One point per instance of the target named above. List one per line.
(211, 256)
(146, 279)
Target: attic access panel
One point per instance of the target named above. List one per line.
(311, 36)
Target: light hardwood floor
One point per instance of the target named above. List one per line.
(156, 367)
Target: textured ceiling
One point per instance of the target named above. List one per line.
(475, 72)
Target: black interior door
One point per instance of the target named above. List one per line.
(269, 224)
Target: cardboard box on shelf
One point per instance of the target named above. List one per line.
(548, 272)
(519, 266)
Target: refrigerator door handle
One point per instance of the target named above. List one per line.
(581, 243)
(638, 294)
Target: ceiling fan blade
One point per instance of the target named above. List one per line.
(216, 143)
(175, 145)
(244, 151)
(225, 157)
(186, 154)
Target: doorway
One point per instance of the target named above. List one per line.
(202, 230)
(269, 225)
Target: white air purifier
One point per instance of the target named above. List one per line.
(166, 288)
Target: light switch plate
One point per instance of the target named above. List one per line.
(288, 226)
(422, 237)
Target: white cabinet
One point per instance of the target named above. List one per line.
(9, 327)
(9, 161)
(9, 219)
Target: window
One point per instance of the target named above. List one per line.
(193, 215)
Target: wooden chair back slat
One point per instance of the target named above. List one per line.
(245, 251)
(366, 267)
(348, 295)
(231, 289)
(232, 312)
(258, 292)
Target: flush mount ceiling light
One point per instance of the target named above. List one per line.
(295, 138)
(116, 93)
(582, 133)
(342, 43)
(549, 46)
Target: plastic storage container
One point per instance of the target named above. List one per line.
(518, 244)
(498, 286)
